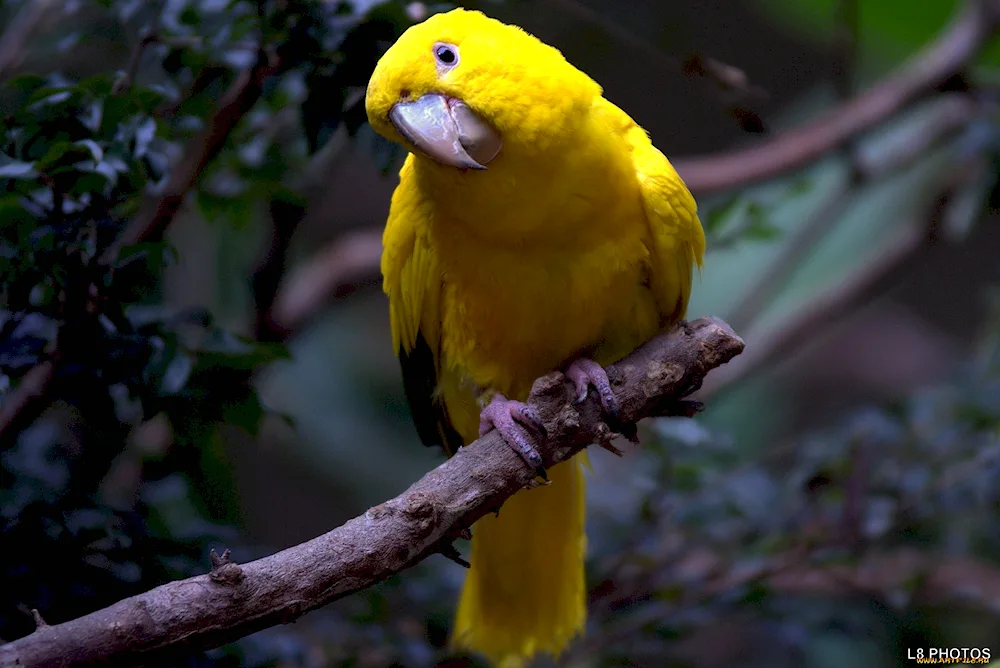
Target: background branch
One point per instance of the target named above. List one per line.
(235, 600)
(21, 406)
(731, 84)
(345, 265)
(943, 580)
(19, 33)
(151, 223)
(952, 51)
(354, 260)
(959, 108)
(285, 220)
(786, 337)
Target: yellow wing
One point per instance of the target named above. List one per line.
(412, 281)
(678, 240)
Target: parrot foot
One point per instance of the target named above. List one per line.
(512, 419)
(584, 373)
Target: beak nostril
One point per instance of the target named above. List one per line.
(404, 94)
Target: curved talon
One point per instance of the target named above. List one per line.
(584, 373)
(610, 447)
(514, 419)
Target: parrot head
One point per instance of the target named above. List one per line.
(462, 89)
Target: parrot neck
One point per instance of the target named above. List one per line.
(566, 197)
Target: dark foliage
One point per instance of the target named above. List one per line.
(88, 513)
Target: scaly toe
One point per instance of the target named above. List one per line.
(529, 417)
(584, 373)
(507, 417)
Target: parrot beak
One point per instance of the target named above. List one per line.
(447, 131)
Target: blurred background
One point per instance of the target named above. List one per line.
(196, 354)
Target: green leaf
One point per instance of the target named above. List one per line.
(26, 83)
(235, 210)
(722, 216)
(54, 95)
(189, 16)
(759, 226)
(756, 593)
(177, 374)
(153, 252)
(289, 196)
(96, 152)
(98, 85)
(16, 169)
(889, 30)
(61, 154)
(88, 182)
(236, 352)
(114, 111)
(685, 477)
(246, 414)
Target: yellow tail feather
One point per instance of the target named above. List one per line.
(525, 592)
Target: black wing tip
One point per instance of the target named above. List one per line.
(430, 417)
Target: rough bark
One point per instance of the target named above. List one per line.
(234, 600)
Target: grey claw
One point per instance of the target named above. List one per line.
(535, 459)
(607, 445)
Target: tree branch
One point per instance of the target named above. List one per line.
(940, 579)
(915, 242)
(149, 35)
(239, 98)
(354, 260)
(235, 600)
(968, 33)
(285, 220)
(19, 406)
(17, 35)
(334, 272)
(731, 84)
(152, 222)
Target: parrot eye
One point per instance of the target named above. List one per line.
(446, 54)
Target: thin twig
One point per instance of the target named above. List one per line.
(285, 219)
(204, 612)
(767, 287)
(943, 580)
(308, 292)
(152, 222)
(951, 52)
(759, 295)
(338, 270)
(243, 93)
(19, 406)
(731, 82)
(18, 34)
(125, 81)
(781, 340)
(149, 35)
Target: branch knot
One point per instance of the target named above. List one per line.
(224, 570)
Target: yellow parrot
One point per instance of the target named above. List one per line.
(535, 227)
